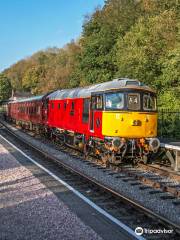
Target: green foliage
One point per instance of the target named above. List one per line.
(170, 67)
(5, 87)
(126, 38)
(31, 79)
(169, 123)
(96, 62)
(169, 98)
(45, 70)
(139, 52)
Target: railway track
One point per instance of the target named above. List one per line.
(120, 207)
(161, 179)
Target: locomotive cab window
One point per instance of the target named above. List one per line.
(149, 102)
(114, 100)
(133, 100)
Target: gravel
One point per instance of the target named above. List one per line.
(152, 201)
(28, 210)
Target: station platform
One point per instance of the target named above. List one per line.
(170, 142)
(33, 205)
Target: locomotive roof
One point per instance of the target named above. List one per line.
(85, 92)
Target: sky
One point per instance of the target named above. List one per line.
(27, 26)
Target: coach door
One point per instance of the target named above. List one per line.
(45, 110)
(96, 105)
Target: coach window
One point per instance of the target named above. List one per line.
(85, 117)
(59, 105)
(39, 110)
(65, 106)
(52, 105)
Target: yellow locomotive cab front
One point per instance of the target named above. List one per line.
(129, 124)
(130, 114)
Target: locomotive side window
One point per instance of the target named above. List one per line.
(114, 100)
(72, 109)
(133, 100)
(93, 102)
(97, 102)
(85, 116)
(149, 102)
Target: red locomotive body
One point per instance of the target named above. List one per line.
(70, 110)
(112, 119)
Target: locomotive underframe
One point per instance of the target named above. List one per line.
(110, 150)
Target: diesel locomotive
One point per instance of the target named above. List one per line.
(115, 120)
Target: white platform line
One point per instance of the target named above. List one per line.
(92, 204)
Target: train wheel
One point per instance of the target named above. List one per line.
(61, 140)
(105, 159)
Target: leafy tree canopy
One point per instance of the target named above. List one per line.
(5, 87)
(126, 38)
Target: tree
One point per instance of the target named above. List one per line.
(139, 51)
(5, 87)
(126, 38)
(96, 62)
(170, 63)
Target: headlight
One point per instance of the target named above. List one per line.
(154, 144)
(116, 142)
